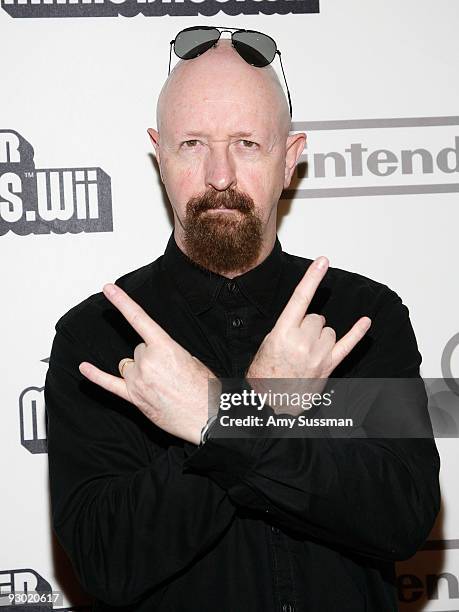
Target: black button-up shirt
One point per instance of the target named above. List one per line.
(153, 523)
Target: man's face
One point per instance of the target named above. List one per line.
(222, 155)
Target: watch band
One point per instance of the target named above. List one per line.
(206, 429)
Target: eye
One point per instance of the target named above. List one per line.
(190, 144)
(249, 144)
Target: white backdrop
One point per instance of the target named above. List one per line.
(81, 91)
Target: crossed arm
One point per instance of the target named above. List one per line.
(170, 386)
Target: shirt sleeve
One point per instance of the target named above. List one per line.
(377, 497)
(122, 508)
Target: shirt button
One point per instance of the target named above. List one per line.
(236, 322)
(231, 287)
(274, 529)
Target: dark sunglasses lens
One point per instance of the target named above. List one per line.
(257, 49)
(191, 43)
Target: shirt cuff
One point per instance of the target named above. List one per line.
(226, 459)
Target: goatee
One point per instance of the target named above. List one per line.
(223, 241)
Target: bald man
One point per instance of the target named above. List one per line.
(155, 510)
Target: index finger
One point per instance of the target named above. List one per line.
(295, 309)
(134, 314)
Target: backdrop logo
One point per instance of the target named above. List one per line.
(25, 590)
(154, 8)
(377, 157)
(32, 418)
(430, 579)
(60, 200)
(444, 395)
(22, 581)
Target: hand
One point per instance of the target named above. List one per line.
(164, 381)
(299, 346)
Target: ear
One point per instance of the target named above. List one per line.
(154, 137)
(294, 147)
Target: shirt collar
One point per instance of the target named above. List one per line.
(200, 286)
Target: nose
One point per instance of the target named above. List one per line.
(220, 170)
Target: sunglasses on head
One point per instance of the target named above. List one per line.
(256, 48)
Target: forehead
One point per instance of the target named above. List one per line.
(217, 117)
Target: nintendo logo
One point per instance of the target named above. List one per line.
(370, 157)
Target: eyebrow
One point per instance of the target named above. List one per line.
(240, 134)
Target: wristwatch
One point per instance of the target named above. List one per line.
(206, 429)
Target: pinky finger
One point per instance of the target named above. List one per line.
(114, 384)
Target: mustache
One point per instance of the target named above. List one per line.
(230, 199)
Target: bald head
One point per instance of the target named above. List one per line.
(220, 74)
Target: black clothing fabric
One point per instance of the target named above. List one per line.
(153, 523)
